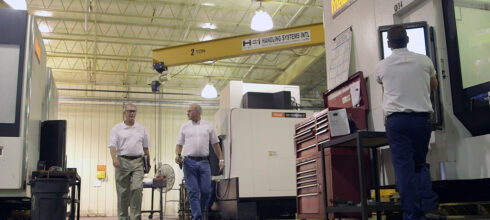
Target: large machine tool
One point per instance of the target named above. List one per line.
(28, 97)
(259, 176)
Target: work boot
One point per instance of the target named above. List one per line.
(435, 215)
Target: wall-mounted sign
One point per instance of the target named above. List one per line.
(338, 6)
(101, 171)
(288, 115)
(37, 49)
(338, 68)
(400, 4)
(276, 40)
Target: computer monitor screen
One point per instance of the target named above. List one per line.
(473, 31)
(417, 34)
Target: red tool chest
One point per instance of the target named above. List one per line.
(340, 163)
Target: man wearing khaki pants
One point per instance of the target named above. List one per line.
(128, 142)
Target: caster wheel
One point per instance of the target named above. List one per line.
(150, 216)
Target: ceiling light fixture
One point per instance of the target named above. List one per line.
(17, 4)
(261, 21)
(44, 13)
(209, 92)
(206, 38)
(44, 28)
(209, 26)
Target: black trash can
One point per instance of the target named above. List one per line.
(49, 197)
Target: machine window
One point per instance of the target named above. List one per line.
(9, 68)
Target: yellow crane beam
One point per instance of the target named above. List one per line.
(289, 38)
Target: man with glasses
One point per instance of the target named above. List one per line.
(128, 142)
(196, 136)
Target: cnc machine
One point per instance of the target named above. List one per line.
(28, 97)
(259, 175)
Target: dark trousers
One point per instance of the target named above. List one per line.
(409, 135)
(197, 176)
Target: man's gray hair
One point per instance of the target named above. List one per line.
(129, 104)
(197, 107)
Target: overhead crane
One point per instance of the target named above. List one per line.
(282, 39)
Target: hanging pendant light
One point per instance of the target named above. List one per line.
(261, 21)
(209, 92)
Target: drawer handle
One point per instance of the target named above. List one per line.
(306, 162)
(304, 129)
(324, 126)
(306, 171)
(305, 140)
(322, 142)
(307, 186)
(322, 116)
(303, 133)
(306, 181)
(308, 194)
(321, 132)
(322, 121)
(306, 124)
(307, 176)
(306, 148)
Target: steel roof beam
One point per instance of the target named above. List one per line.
(112, 39)
(135, 23)
(300, 65)
(146, 74)
(100, 100)
(219, 63)
(32, 10)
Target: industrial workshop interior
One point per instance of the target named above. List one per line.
(244, 109)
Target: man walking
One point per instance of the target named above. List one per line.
(128, 142)
(196, 135)
(407, 79)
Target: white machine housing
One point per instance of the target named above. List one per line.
(258, 148)
(38, 102)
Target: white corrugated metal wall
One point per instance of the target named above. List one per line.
(88, 129)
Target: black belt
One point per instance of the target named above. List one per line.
(130, 157)
(197, 158)
(425, 114)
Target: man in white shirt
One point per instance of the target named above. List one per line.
(196, 135)
(128, 142)
(407, 79)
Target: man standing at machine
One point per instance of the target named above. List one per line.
(196, 136)
(128, 142)
(407, 79)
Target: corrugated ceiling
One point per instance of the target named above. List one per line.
(107, 45)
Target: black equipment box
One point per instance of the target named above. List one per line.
(261, 100)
